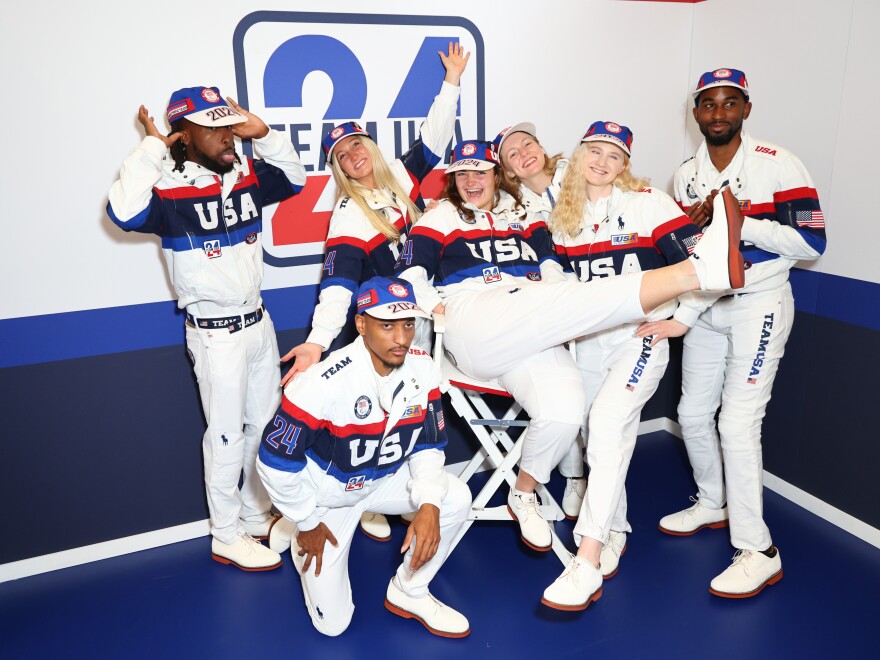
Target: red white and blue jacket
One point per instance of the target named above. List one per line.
(783, 221)
(341, 429)
(503, 247)
(630, 233)
(210, 224)
(355, 251)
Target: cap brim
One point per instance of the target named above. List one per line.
(470, 164)
(204, 118)
(393, 312)
(720, 83)
(329, 156)
(610, 140)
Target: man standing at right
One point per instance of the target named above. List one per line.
(734, 341)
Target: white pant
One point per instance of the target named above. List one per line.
(515, 334)
(620, 373)
(328, 596)
(239, 385)
(730, 358)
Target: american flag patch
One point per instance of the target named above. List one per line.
(813, 219)
(631, 388)
(441, 423)
(691, 242)
(752, 381)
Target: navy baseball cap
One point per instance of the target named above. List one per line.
(203, 106)
(522, 127)
(722, 78)
(473, 155)
(342, 131)
(607, 131)
(389, 299)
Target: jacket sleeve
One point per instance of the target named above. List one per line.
(297, 425)
(673, 233)
(798, 232)
(345, 262)
(435, 134)
(133, 204)
(279, 170)
(419, 261)
(429, 480)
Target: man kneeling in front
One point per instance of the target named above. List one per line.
(361, 431)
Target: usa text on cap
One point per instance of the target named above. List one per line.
(607, 131)
(203, 106)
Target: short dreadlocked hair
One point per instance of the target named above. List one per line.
(178, 149)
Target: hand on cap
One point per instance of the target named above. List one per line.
(254, 127)
(454, 62)
(150, 128)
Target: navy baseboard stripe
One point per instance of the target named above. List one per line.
(52, 337)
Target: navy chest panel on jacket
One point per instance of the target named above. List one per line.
(468, 252)
(196, 218)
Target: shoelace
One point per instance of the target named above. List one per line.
(530, 504)
(571, 485)
(571, 570)
(692, 510)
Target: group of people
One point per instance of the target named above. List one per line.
(561, 278)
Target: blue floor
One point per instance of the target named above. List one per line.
(175, 602)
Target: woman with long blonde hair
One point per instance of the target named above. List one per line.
(607, 223)
(377, 204)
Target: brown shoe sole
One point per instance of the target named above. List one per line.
(394, 609)
(773, 579)
(224, 560)
(735, 263)
(573, 608)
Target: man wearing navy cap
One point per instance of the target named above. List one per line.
(734, 341)
(363, 430)
(206, 202)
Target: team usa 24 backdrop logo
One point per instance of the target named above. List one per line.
(304, 72)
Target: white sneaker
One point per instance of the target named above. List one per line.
(609, 559)
(749, 573)
(692, 520)
(575, 487)
(579, 585)
(533, 529)
(260, 530)
(716, 257)
(376, 526)
(281, 534)
(437, 617)
(245, 553)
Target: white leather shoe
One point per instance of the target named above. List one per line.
(716, 257)
(281, 534)
(749, 573)
(376, 526)
(245, 553)
(260, 531)
(575, 487)
(534, 530)
(437, 617)
(609, 559)
(693, 519)
(579, 585)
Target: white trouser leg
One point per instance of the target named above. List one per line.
(702, 377)
(548, 387)
(261, 403)
(759, 327)
(491, 332)
(572, 464)
(220, 365)
(633, 370)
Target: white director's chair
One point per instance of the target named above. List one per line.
(497, 451)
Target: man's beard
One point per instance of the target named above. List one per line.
(719, 140)
(211, 163)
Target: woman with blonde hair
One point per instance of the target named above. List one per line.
(538, 178)
(377, 204)
(607, 223)
(486, 263)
